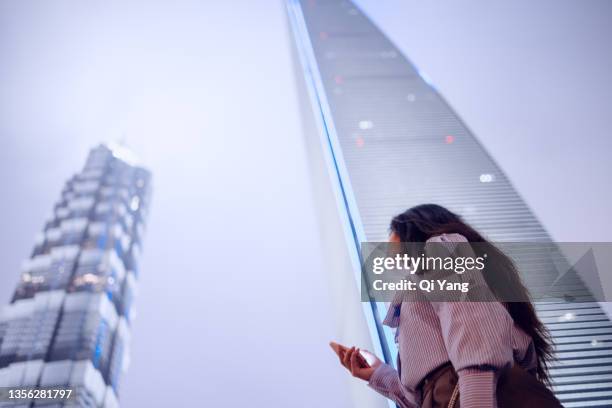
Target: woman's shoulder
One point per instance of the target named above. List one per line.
(448, 238)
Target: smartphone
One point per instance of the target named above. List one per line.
(362, 357)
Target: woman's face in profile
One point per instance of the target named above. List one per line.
(393, 237)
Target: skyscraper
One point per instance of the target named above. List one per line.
(68, 324)
(388, 141)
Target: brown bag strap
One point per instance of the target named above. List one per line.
(454, 397)
(515, 388)
(440, 388)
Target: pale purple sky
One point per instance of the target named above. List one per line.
(205, 92)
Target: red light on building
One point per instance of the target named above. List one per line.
(323, 35)
(449, 139)
(338, 79)
(360, 142)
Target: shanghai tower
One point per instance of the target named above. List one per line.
(68, 323)
(382, 139)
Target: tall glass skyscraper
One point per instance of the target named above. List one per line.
(68, 324)
(388, 141)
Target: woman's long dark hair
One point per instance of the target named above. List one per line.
(422, 222)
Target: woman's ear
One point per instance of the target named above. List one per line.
(393, 237)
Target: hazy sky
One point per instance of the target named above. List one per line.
(204, 92)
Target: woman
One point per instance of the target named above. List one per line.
(467, 354)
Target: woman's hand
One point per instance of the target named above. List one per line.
(360, 366)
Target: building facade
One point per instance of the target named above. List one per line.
(389, 141)
(68, 324)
